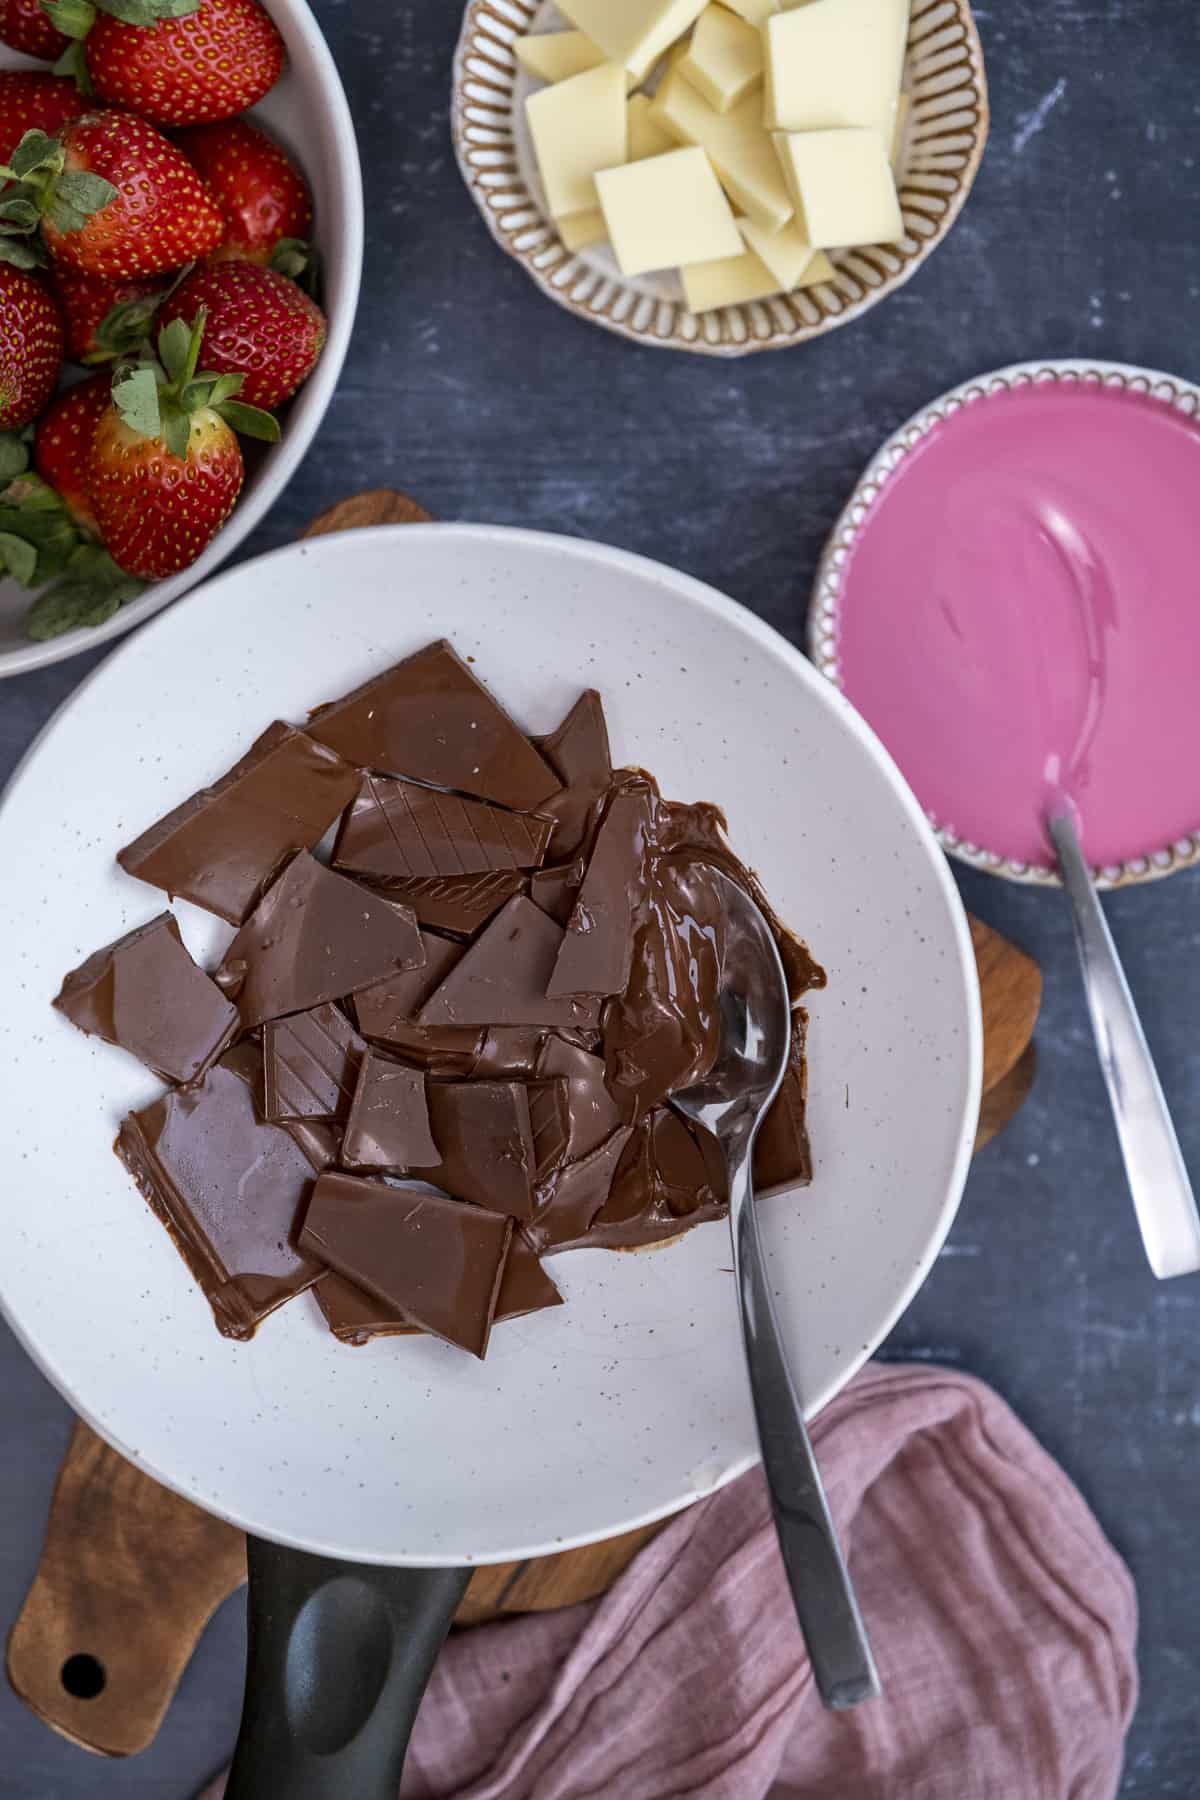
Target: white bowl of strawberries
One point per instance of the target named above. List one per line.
(180, 255)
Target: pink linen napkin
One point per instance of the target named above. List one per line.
(1003, 1622)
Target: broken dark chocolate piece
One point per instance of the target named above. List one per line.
(315, 936)
(399, 828)
(399, 998)
(597, 948)
(354, 1316)
(579, 754)
(667, 1181)
(459, 903)
(221, 847)
(502, 978)
(146, 995)
(591, 1112)
(319, 1139)
(507, 1051)
(525, 1287)
(782, 1155)
(438, 1049)
(228, 1187)
(575, 1195)
(388, 1127)
(550, 1127)
(438, 1262)
(485, 1148)
(428, 718)
(310, 1065)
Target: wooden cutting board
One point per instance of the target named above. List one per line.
(131, 1573)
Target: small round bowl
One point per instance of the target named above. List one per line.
(947, 129)
(824, 616)
(307, 111)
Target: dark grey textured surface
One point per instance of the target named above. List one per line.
(468, 389)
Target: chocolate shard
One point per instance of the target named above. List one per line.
(507, 1051)
(146, 995)
(318, 1139)
(597, 948)
(592, 1116)
(399, 998)
(556, 890)
(220, 848)
(573, 1197)
(436, 1261)
(667, 1181)
(388, 1127)
(310, 1065)
(578, 753)
(315, 936)
(438, 1049)
(550, 1127)
(401, 829)
(354, 1316)
(428, 718)
(228, 1187)
(485, 1149)
(782, 1155)
(525, 1288)
(502, 979)
(459, 903)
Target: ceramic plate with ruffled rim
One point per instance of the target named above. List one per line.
(825, 619)
(943, 143)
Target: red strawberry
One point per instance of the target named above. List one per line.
(24, 26)
(31, 347)
(148, 212)
(259, 326)
(209, 64)
(87, 302)
(166, 467)
(31, 101)
(254, 181)
(62, 444)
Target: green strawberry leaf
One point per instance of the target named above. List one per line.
(174, 348)
(74, 18)
(19, 214)
(85, 192)
(73, 64)
(36, 151)
(300, 262)
(223, 388)
(125, 329)
(14, 455)
(135, 396)
(177, 433)
(92, 590)
(18, 558)
(148, 12)
(21, 253)
(251, 421)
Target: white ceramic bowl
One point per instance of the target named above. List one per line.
(629, 1401)
(307, 111)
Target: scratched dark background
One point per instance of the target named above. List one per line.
(465, 387)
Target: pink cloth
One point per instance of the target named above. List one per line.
(1003, 1622)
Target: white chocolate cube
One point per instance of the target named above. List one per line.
(577, 127)
(755, 12)
(646, 136)
(580, 229)
(666, 210)
(724, 60)
(634, 33)
(787, 254)
(842, 186)
(557, 55)
(835, 63)
(739, 149)
(730, 281)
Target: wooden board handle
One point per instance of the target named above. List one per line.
(130, 1573)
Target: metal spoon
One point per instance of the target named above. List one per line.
(1158, 1178)
(730, 1104)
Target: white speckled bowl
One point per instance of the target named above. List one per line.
(630, 1401)
(306, 111)
(944, 142)
(823, 616)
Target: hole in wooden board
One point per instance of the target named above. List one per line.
(83, 1677)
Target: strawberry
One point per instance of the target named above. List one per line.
(259, 326)
(25, 27)
(116, 197)
(166, 467)
(31, 101)
(31, 347)
(103, 318)
(261, 193)
(208, 64)
(62, 444)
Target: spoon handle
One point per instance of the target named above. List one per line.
(1158, 1177)
(820, 1584)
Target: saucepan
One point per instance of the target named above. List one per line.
(372, 1480)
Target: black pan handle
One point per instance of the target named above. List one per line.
(337, 1662)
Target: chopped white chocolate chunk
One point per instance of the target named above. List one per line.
(646, 136)
(634, 33)
(739, 148)
(729, 281)
(577, 127)
(842, 186)
(724, 60)
(580, 229)
(755, 12)
(835, 63)
(787, 253)
(557, 55)
(666, 210)
(899, 127)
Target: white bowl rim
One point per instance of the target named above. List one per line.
(826, 695)
(824, 605)
(304, 420)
